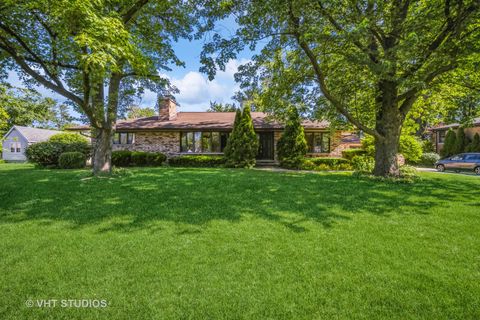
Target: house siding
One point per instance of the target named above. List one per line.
(14, 136)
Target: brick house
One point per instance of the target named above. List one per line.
(175, 133)
(439, 132)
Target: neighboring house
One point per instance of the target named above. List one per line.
(18, 138)
(175, 133)
(439, 132)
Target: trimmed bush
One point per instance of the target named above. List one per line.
(292, 146)
(125, 158)
(72, 160)
(321, 164)
(408, 173)
(429, 159)
(197, 161)
(474, 146)
(411, 148)
(47, 153)
(363, 164)
(461, 142)
(449, 144)
(121, 158)
(242, 144)
(350, 153)
(156, 159)
(68, 137)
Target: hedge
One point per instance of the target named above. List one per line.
(72, 160)
(47, 153)
(350, 153)
(197, 161)
(321, 164)
(125, 158)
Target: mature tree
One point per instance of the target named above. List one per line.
(242, 144)
(135, 112)
(62, 117)
(97, 53)
(292, 145)
(220, 107)
(370, 60)
(25, 107)
(449, 144)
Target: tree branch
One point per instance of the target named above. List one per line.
(320, 77)
(128, 16)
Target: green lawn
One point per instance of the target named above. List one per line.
(169, 243)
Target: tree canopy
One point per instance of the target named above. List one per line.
(368, 61)
(99, 54)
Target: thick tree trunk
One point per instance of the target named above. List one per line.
(389, 125)
(102, 152)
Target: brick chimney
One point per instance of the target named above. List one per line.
(167, 107)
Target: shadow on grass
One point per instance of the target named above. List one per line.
(198, 196)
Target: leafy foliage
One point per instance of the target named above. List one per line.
(411, 148)
(98, 54)
(242, 144)
(68, 137)
(429, 158)
(363, 164)
(449, 144)
(47, 153)
(292, 146)
(219, 107)
(197, 161)
(135, 112)
(461, 142)
(350, 153)
(125, 158)
(364, 62)
(474, 146)
(71, 160)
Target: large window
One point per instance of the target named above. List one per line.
(203, 142)
(318, 142)
(124, 138)
(441, 136)
(15, 147)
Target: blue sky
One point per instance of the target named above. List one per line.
(196, 91)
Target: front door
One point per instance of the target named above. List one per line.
(265, 146)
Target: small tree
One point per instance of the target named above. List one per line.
(449, 144)
(474, 146)
(242, 145)
(461, 142)
(292, 145)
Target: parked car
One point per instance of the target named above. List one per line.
(460, 162)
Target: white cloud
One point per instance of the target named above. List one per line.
(196, 91)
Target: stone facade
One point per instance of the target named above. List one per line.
(168, 142)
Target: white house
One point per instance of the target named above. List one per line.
(18, 138)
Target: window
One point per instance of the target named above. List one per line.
(318, 142)
(15, 147)
(441, 136)
(472, 157)
(203, 142)
(124, 138)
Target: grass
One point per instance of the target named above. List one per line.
(172, 243)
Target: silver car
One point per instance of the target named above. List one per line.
(460, 162)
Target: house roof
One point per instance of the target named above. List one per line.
(476, 122)
(202, 121)
(34, 134)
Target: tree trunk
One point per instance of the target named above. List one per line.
(389, 125)
(102, 153)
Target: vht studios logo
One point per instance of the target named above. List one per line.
(67, 303)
